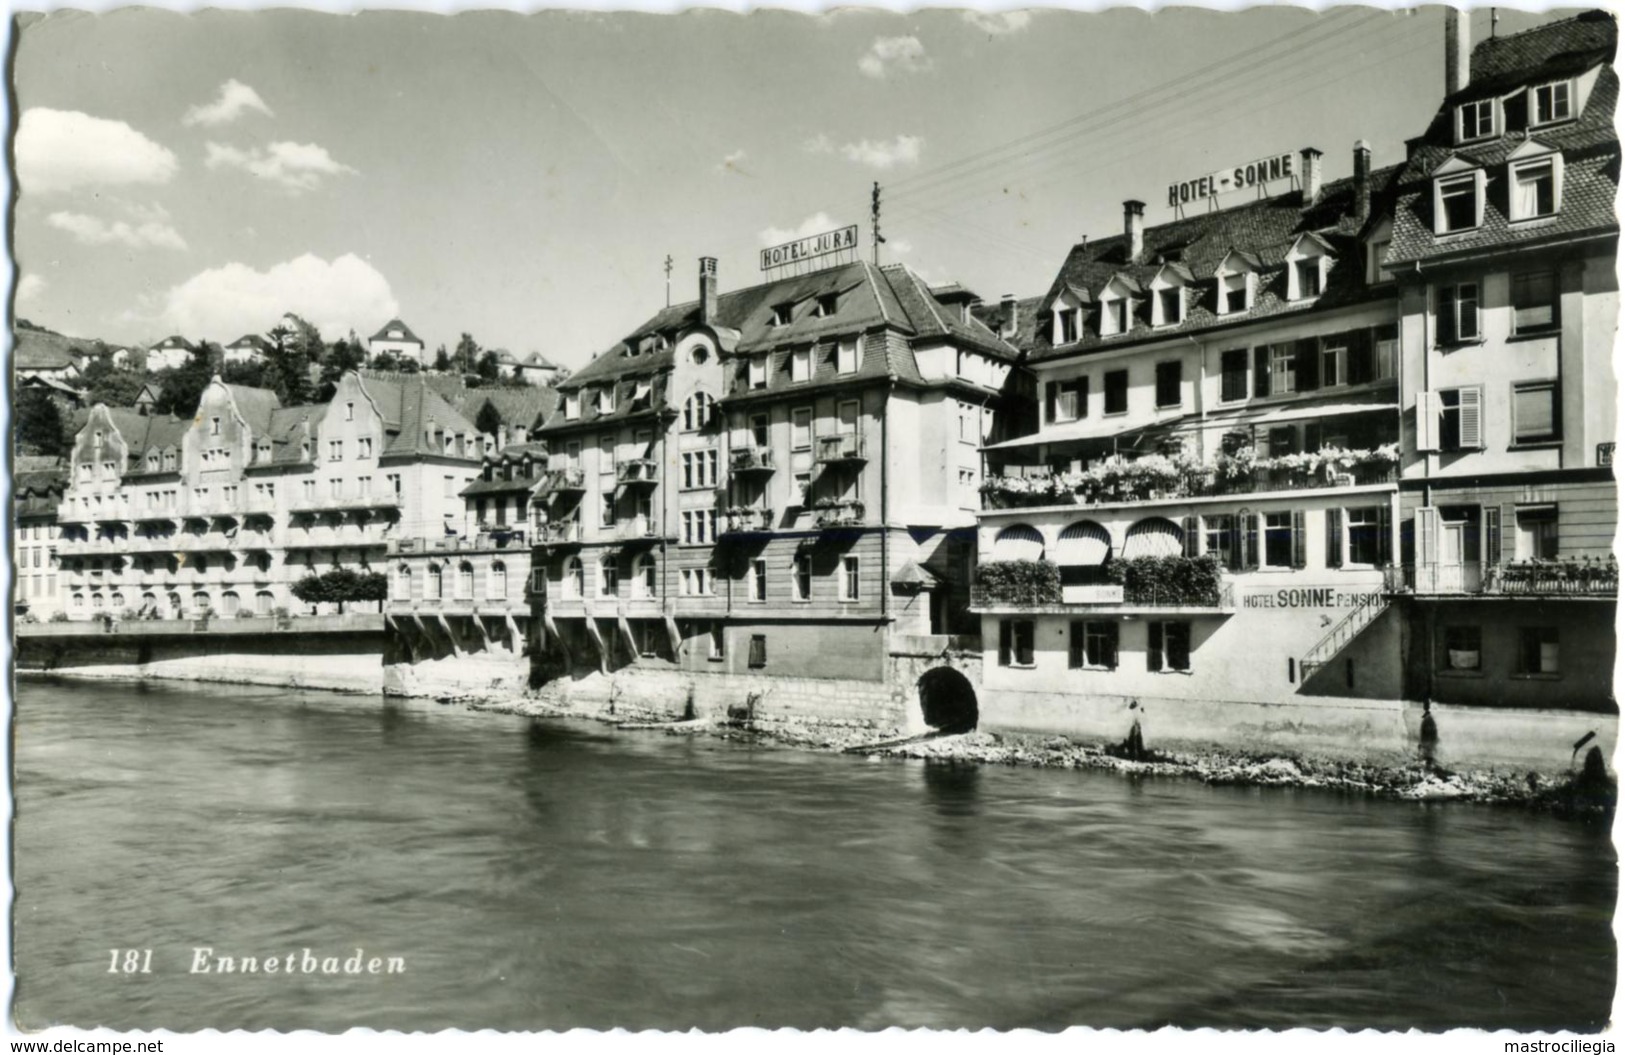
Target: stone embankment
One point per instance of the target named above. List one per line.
(1588, 788)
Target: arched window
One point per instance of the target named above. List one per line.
(78, 600)
(117, 601)
(496, 586)
(574, 582)
(697, 411)
(643, 576)
(229, 602)
(1019, 542)
(97, 601)
(264, 602)
(200, 564)
(465, 581)
(403, 583)
(432, 586)
(1082, 552)
(149, 601)
(174, 604)
(200, 601)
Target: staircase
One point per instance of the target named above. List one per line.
(1338, 638)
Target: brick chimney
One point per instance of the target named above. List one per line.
(1007, 315)
(1458, 49)
(1134, 228)
(1362, 181)
(1311, 175)
(708, 289)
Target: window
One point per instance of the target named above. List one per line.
(1283, 369)
(1068, 400)
(1170, 306)
(846, 357)
(1475, 120)
(335, 450)
(335, 488)
(1307, 273)
(1116, 384)
(1534, 302)
(849, 579)
(719, 641)
(606, 509)
(432, 585)
(1168, 646)
(1233, 375)
(696, 582)
(1459, 203)
(801, 489)
(643, 576)
(781, 314)
(572, 406)
(574, 581)
(1015, 642)
(1334, 362)
(609, 578)
(349, 412)
(1537, 650)
(758, 581)
(801, 429)
(1219, 537)
(1534, 412)
(1552, 102)
(465, 581)
(1234, 295)
(1278, 539)
(606, 400)
(1114, 316)
(759, 430)
(697, 411)
(1534, 189)
(1365, 531)
(801, 365)
(1068, 331)
(1379, 272)
(825, 306)
(758, 371)
(1537, 533)
(758, 651)
(1169, 377)
(363, 447)
(496, 583)
(802, 579)
(1093, 644)
(1462, 648)
(1461, 419)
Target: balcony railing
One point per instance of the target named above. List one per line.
(751, 460)
(564, 481)
(1535, 578)
(843, 447)
(838, 514)
(1016, 493)
(331, 504)
(560, 531)
(1220, 597)
(638, 471)
(747, 521)
(637, 528)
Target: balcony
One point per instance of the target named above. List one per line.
(559, 533)
(747, 522)
(1166, 584)
(1582, 578)
(635, 529)
(844, 448)
(563, 481)
(638, 472)
(840, 514)
(343, 504)
(751, 461)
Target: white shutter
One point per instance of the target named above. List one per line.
(1427, 537)
(1427, 421)
(1480, 179)
(1472, 417)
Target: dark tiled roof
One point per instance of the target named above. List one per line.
(1265, 229)
(251, 340)
(525, 406)
(255, 405)
(35, 353)
(938, 313)
(396, 324)
(176, 341)
(1589, 144)
(409, 406)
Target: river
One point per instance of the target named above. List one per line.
(541, 874)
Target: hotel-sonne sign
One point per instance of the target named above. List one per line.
(812, 246)
(1252, 174)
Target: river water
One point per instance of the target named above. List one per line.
(536, 874)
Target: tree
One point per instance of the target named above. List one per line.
(287, 366)
(488, 367)
(250, 372)
(39, 425)
(489, 420)
(468, 353)
(183, 385)
(343, 357)
(113, 385)
(341, 585)
(442, 361)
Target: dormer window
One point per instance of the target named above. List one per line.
(1458, 202)
(572, 406)
(801, 365)
(1308, 263)
(846, 357)
(1475, 120)
(1170, 306)
(152, 462)
(1237, 276)
(1066, 327)
(606, 400)
(1113, 316)
(1535, 186)
(826, 306)
(758, 371)
(781, 314)
(1550, 103)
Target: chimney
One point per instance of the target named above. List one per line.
(1362, 181)
(1007, 315)
(1458, 49)
(708, 289)
(1311, 175)
(1134, 228)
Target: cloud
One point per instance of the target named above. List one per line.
(814, 224)
(731, 163)
(335, 297)
(904, 150)
(294, 166)
(900, 246)
(93, 230)
(903, 54)
(58, 150)
(29, 287)
(819, 144)
(235, 99)
(999, 23)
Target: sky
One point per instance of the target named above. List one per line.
(523, 178)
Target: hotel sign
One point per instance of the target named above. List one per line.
(1310, 597)
(812, 246)
(1252, 174)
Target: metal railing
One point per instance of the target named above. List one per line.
(841, 447)
(747, 521)
(1194, 485)
(560, 481)
(751, 460)
(1338, 637)
(638, 471)
(840, 514)
(639, 527)
(561, 531)
(1220, 598)
(1533, 578)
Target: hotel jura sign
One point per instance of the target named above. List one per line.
(1252, 174)
(814, 245)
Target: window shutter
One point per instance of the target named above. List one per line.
(1249, 534)
(1192, 536)
(1427, 537)
(1261, 371)
(1447, 315)
(1004, 642)
(1492, 535)
(1237, 558)
(1480, 178)
(1299, 542)
(1075, 643)
(1427, 421)
(1472, 418)
(1362, 362)
(1385, 547)
(1313, 436)
(1083, 396)
(1308, 356)
(1052, 390)
(1153, 646)
(1334, 538)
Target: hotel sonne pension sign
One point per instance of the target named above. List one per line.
(1252, 174)
(814, 245)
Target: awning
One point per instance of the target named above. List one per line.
(1094, 429)
(1018, 542)
(1325, 410)
(1083, 543)
(913, 576)
(1154, 537)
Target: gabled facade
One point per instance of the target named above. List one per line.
(168, 353)
(36, 491)
(249, 348)
(397, 337)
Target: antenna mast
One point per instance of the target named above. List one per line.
(668, 280)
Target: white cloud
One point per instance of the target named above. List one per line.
(904, 150)
(886, 54)
(819, 144)
(93, 230)
(235, 99)
(731, 163)
(999, 23)
(900, 246)
(814, 224)
(29, 288)
(294, 166)
(335, 297)
(58, 150)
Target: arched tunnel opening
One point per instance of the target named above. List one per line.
(948, 700)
